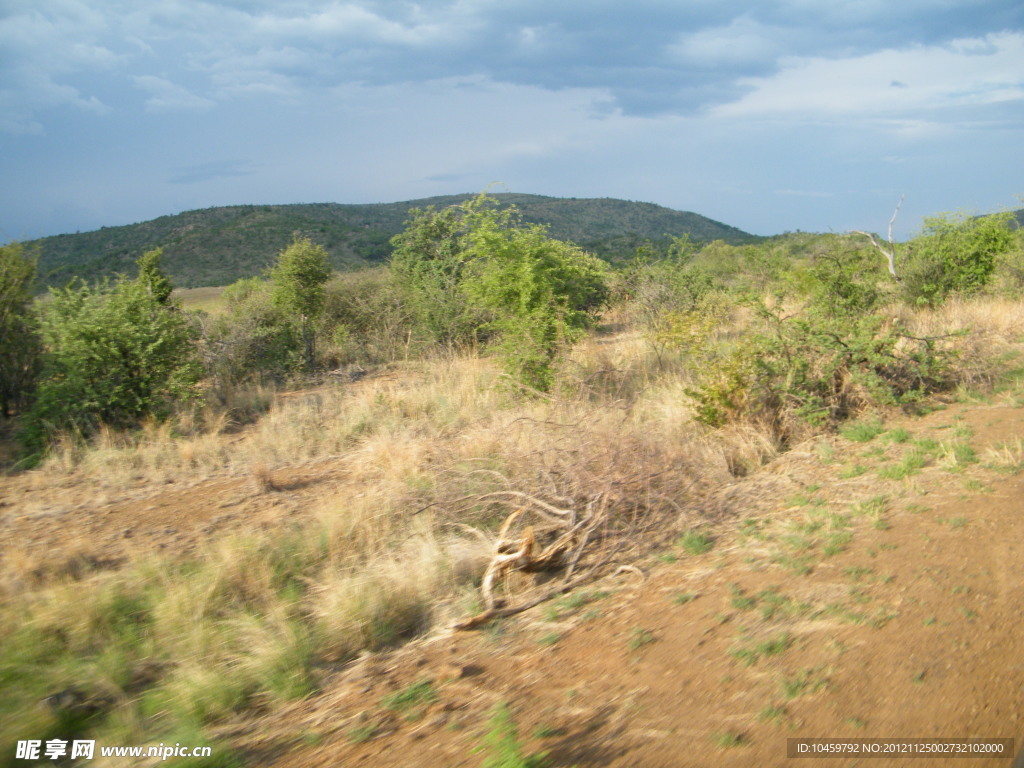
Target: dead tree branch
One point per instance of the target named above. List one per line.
(890, 254)
(520, 553)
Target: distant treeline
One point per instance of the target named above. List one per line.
(217, 246)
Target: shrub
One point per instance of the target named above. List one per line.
(542, 293)
(1009, 270)
(955, 254)
(113, 355)
(427, 266)
(19, 352)
(820, 364)
(473, 272)
(297, 288)
(365, 318)
(253, 339)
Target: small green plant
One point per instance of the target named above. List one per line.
(1007, 457)
(854, 470)
(772, 714)
(411, 701)
(728, 739)
(799, 565)
(863, 431)
(804, 682)
(749, 654)
(551, 638)
(872, 508)
(502, 742)
(962, 430)
(572, 602)
(548, 732)
(857, 573)
(957, 455)
(836, 543)
(696, 542)
(772, 604)
(897, 435)
(639, 637)
(361, 733)
(912, 462)
(682, 598)
(739, 599)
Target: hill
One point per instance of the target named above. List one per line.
(216, 246)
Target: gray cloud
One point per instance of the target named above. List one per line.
(113, 109)
(652, 57)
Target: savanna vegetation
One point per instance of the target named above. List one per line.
(487, 361)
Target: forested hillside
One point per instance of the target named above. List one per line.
(216, 246)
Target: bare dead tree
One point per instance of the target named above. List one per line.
(890, 254)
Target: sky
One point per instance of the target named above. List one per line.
(768, 115)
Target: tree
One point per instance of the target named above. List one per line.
(476, 271)
(112, 355)
(153, 277)
(542, 293)
(427, 266)
(19, 338)
(297, 281)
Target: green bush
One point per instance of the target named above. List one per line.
(20, 347)
(428, 269)
(1009, 271)
(113, 355)
(955, 254)
(542, 293)
(654, 289)
(253, 340)
(297, 288)
(365, 319)
(474, 272)
(820, 364)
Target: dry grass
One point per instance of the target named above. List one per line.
(992, 328)
(390, 545)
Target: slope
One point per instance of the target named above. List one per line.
(216, 246)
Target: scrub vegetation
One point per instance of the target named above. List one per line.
(487, 366)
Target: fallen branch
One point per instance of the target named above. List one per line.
(521, 553)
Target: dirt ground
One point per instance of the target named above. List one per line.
(835, 603)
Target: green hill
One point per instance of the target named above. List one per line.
(216, 246)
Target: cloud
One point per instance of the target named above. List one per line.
(742, 41)
(650, 56)
(900, 84)
(165, 95)
(41, 48)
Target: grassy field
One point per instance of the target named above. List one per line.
(202, 299)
